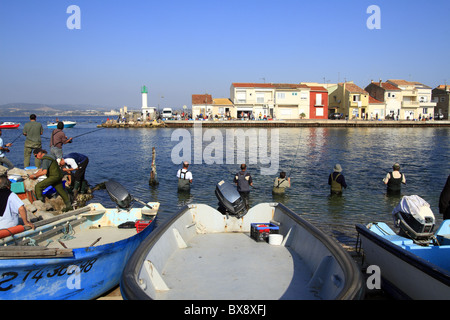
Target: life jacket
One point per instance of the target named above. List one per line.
(183, 182)
(394, 184)
(335, 186)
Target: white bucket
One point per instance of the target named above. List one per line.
(275, 239)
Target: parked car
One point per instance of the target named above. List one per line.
(438, 116)
(167, 113)
(335, 115)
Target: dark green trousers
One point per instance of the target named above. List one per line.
(56, 182)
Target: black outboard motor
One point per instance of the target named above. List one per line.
(120, 195)
(230, 201)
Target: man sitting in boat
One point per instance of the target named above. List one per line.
(11, 207)
(75, 165)
(51, 169)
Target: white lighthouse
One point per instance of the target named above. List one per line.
(144, 97)
(148, 113)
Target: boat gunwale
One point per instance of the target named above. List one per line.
(353, 288)
(416, 261)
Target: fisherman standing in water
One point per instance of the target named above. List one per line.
(280, 184)
(336, 180)
(394, 180)
(243, 181)
(184, 178)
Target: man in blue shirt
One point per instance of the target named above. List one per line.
(75, 165)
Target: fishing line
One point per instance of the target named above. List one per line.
(81, 134)
(296, 153)
(16, 138)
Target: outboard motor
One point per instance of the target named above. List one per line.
(414, 218)
(230, 201)
(118, 194)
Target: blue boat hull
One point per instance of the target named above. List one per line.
(408, 270)
(88, 274)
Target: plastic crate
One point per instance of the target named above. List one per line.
(51, 190)
(17, 187)
(142, 224)
(261, 231)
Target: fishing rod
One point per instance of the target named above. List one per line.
(82, 133)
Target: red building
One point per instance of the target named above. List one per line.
(318, 100)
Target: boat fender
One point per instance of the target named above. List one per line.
(11, 231)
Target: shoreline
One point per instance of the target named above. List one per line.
(279, 123)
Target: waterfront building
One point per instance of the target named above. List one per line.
(202, 104)
(441, 96)
(292, 101)
(416, 99)
(223, 108)
(318, 102)
(271, 100)
(388, 94)
(349, 99)
(376, 109)
(253, 98)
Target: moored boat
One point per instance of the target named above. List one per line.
(9, 125)
(414, 262)
(78, 255)
(202, 253)
(67, 124)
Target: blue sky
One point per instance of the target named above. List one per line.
(180, 48)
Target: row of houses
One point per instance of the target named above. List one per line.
(396, 99)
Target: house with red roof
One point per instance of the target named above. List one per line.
(350, 100)
(202, 104)
(390, 95)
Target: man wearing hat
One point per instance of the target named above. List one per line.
(49, 168)
(394, 180)
(336, 180)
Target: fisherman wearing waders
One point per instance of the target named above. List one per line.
(243, 181)
(336, 180)
(280, 184)
(394, 180)
(51, 169)
(184, 178)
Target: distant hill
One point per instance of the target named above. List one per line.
(21, 109)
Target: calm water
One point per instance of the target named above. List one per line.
(309, 154)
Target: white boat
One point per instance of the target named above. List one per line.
(201, 253)
(414, 263)
(67, 124)
(76, 255)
